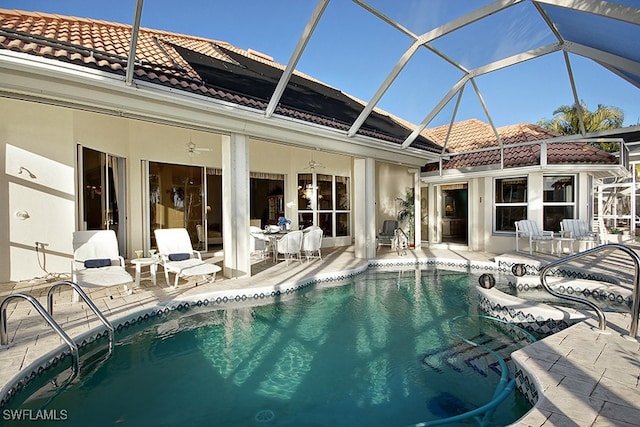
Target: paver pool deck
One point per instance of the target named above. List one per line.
(583, 377)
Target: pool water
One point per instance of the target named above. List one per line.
(377, 349)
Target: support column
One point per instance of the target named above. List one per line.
(632, 223)
(417, 208)
(364, 208)
(235, 206)
(435, 214)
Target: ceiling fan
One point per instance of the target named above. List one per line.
(193, 149)
(313, 165)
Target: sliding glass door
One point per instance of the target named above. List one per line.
(176, 200)
(102, 193)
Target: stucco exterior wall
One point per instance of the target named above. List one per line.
(481, 235)
(392, 182)
(37, 189)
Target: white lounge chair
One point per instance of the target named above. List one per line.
(579, 230)
(290, 246)
(97, 261)
(529, 229)
(178, 256)
(312, 243)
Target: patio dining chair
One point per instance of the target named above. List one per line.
(529, 229)
(259, 244)
(97, 261)
(309, 228)
(312, 243)
(178, 256)
(289, 246)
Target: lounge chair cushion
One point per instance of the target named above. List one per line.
(179, 257)
(97, 263)
(105, 276)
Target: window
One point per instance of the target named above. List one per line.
(558, 200)
(510, 202)
(325, 199)
(102, 198)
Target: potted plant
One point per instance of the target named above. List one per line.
(284, 223)
(614, 235)
(406, 214)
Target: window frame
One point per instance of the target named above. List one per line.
(573, 204)
(333, 211)
(497, 205)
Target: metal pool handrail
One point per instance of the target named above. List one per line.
(4, 340)
(602, 324)
(92, 306)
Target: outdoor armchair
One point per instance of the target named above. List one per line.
(388, 232)
(578, 229)
(529, 229)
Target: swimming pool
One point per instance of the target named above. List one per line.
(376, 349)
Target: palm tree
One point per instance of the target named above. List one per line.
(566, 121)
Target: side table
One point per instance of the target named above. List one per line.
(560, 241)
(151, 262)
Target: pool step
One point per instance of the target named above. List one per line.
(463, 355)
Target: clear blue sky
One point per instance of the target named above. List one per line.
(353, 51)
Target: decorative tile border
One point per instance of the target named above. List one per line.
(523, 317)
(526, 386)
(459, 263)
(534, 268)
(613, 297)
